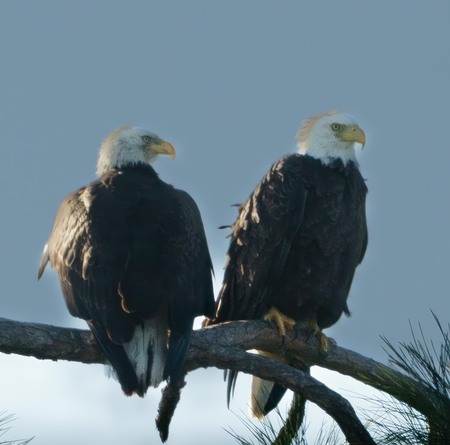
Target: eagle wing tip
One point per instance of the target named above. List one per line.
(43, 263)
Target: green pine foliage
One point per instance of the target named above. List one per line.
(5, 426)
(428, 364)
(267, 432)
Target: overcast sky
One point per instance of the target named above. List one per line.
(228, 83)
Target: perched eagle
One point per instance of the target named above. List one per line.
(132, 259)
(298, 240)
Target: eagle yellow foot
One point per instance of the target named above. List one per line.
(324, 341)
(282, 322)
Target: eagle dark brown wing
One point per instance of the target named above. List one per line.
(261, 241)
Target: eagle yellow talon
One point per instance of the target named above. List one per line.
(324, 341)
(282, 322)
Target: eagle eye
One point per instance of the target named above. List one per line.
(147, 139)
(336, 127)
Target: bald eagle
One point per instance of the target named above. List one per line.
(132, 259)
(298, 240)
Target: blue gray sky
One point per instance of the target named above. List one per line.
(228, 83)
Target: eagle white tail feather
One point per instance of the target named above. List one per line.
(147, 350)
(261, 389)
(259, 396)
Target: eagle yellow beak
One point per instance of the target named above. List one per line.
(164, 148)
(353, 133)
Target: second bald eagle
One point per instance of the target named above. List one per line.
(298, 240)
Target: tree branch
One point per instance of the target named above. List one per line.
(298, 381)
(169, 400)
(224, 346)
(47, 342)
(293, 421)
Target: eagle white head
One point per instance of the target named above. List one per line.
(127, 146)
(329, 136)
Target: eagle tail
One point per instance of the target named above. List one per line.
(139, 363)
(147, 351)
(265, 395)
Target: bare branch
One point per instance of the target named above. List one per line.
(299, 381)
(167, 406)
(293, 421)
(47, 342)
(224, 346)
(305, 348)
